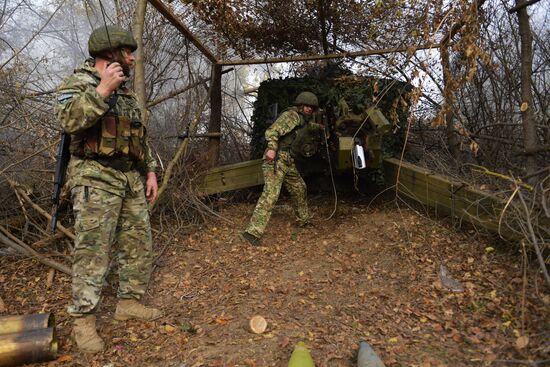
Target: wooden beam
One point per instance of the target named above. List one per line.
(205, 135)
(300, 58)
(167, 13)
(215, 123)
(182, 90)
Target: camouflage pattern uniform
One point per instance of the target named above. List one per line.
(281, 171)
(108, 197)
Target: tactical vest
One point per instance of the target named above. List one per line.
(117, 134)
(303, 141)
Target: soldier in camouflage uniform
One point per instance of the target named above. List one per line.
(279, 166)
(109, 157)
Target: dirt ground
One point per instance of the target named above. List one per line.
(370, 273)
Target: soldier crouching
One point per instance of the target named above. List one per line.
(109, 155)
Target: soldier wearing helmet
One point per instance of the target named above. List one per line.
(110, 162)
(284, 138)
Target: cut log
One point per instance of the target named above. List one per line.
(257, 324)
(49, 280)
(2, 306)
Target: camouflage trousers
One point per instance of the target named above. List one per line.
(285, 174)
(101, 219)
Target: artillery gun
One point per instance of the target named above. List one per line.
(359, 113)
(367, 111)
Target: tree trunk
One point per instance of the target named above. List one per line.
(214, 126)
(452, 137)
(139, 71)
(118, 12)
(526, 107)
(323, 23)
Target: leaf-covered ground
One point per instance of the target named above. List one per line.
(370, 273)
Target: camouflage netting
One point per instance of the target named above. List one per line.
(360, 92)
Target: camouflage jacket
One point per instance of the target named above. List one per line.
(78, 107)
(286, 123)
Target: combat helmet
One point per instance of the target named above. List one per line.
(307, 98)
(110, 37)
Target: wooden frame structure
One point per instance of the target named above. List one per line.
(172, 18)
(218, 64)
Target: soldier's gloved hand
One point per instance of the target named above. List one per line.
(111, 77)
(270, 155)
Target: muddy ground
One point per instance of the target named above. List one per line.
(370, 273)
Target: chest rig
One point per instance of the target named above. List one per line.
(302, 141)
(119, 133)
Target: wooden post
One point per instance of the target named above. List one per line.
(530, 139)
(215, 124)
(452, 138)
(139, 71)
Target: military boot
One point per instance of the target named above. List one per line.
(131, 309)
(85, 335)
(250, 238)
(305, 223)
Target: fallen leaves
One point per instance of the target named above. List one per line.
(221, 321)
(384, 293)
(522, 342)
(64, 358)
(169, 328)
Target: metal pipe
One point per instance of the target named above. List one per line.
(22, 323)
(28, 347)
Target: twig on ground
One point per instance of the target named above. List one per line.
(41, 211)
(9, 240)
(533, 239)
